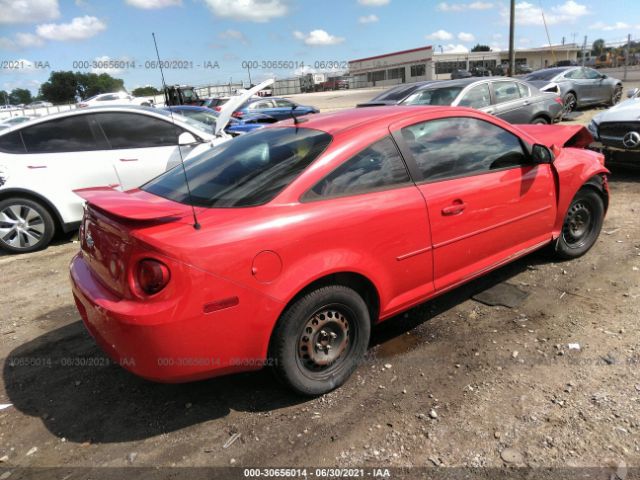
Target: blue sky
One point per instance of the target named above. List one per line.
(38, 36)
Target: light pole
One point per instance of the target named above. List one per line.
(512, 56)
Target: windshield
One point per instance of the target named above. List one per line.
(248, 171)
(434, 96)
(188, 120)
(545, 74)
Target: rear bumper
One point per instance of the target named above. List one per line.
(170, 342)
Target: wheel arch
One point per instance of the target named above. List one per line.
(599, 184)
(60, 225)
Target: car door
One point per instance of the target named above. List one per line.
(486, 200)
(583, 87)
(266, 107)
(507, 103)
(600, 89)
(63, 155)
(142, 146)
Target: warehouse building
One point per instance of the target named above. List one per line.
(405, 66)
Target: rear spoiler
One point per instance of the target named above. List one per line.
(133, 204)
(575, 136)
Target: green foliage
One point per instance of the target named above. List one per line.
(64, 87)
(481, 48)
(145, 91)
(20, 95)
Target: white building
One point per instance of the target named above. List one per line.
(405, 66)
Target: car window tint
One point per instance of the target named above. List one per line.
(248, 171)
(591, 74)
(575, 74)
(11, 143)
(107, 98)
(131, 130)
(434, 96)
(505, 91)
(477, 97)
(460, 146)
(378, 166)
(283, 103)
(69, 134)
(524, 90)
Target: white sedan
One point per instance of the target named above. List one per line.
(44, 160)
(117, 98)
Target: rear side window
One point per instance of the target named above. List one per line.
(377, 167)
(248, 171)
(477, 97)
(11, 143)
(506, 91)
(70, 134)
(455, 147)
(434, 96)
(131, 130)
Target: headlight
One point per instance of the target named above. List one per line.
(593, 129)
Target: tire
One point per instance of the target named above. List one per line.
(334, 315)
(570, 101)
(616, 96)
(581, 226)
(540, 121)
(25, 225)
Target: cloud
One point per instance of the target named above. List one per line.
(154, 4)
(440, 35)
(80, 28)
(374, 3)
(318, 37)
(21, 41)
(461, 7)
(466, 37)
(530, 14)
(368, 19)
(235, 35)
(28, 11)
(451, 48)
(609, 27)
(258, 11)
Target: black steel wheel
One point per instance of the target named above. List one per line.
(582, 224)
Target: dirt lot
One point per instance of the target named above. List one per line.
(453, 383)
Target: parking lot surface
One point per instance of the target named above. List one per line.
(552, 382)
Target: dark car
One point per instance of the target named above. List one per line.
(479, 72)
(237, 126)
(510, 99)
(578, 86)
(278, 108)
(456, 74)
(394, 95)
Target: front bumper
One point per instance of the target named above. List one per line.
(170, 342)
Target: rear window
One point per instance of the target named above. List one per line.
(434, 96)
(248, 171)
(396, 93)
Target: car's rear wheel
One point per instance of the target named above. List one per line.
(570, 102)
(540, 121)
(617, 95)
(582, 224)
(320, 339)
(25, 225)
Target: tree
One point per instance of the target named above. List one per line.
(64, 87)
(20, 95)
(145, 91)
(481, 48)
(4, 97)
(598, 47)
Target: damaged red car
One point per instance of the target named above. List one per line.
(308, 233)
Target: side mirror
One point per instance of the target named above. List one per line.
(602, 75)
(541, 154)
(186, 139)
(633, 92)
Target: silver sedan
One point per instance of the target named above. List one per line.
(578, 86)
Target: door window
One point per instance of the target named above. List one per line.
(377, 167)
(506, 91)
(477, 97)
(455, 147)
(12, 143)
(576, 74)
(69, 134)
(132, 130)
(283, 103)
(524, 90)
(591, 74)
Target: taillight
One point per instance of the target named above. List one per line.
(218, 108)
(152, 276)
(559, 100)
(237, 114)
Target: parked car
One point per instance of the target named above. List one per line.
(10, 122)
(578, 86)
(8, 107)
(311, 233)
(278, 108)
(479, 72)
(43, 161)
(394, 95)
(523, 68)
(117, 98)
(457, 74)
(512, 100)
(215, 103)
(40, 104)
(618, 128)
(236, 126)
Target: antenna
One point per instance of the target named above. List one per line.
(295, 119)
(196, 225)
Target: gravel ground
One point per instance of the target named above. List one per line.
(552, 383)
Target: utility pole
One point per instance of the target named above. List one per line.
(584, 49)
(512, 53)
(626, 57)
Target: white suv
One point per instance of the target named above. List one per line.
(117, 98)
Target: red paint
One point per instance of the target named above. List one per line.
(232, 279)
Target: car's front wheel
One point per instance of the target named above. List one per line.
(25, 225)
(582, 224)
(320, 339)
(616, 96)
(570, 102)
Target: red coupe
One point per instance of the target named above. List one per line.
(309, 233)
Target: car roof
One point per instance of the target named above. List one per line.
(343, 120)
(463, 82)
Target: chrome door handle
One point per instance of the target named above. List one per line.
(128, 159)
